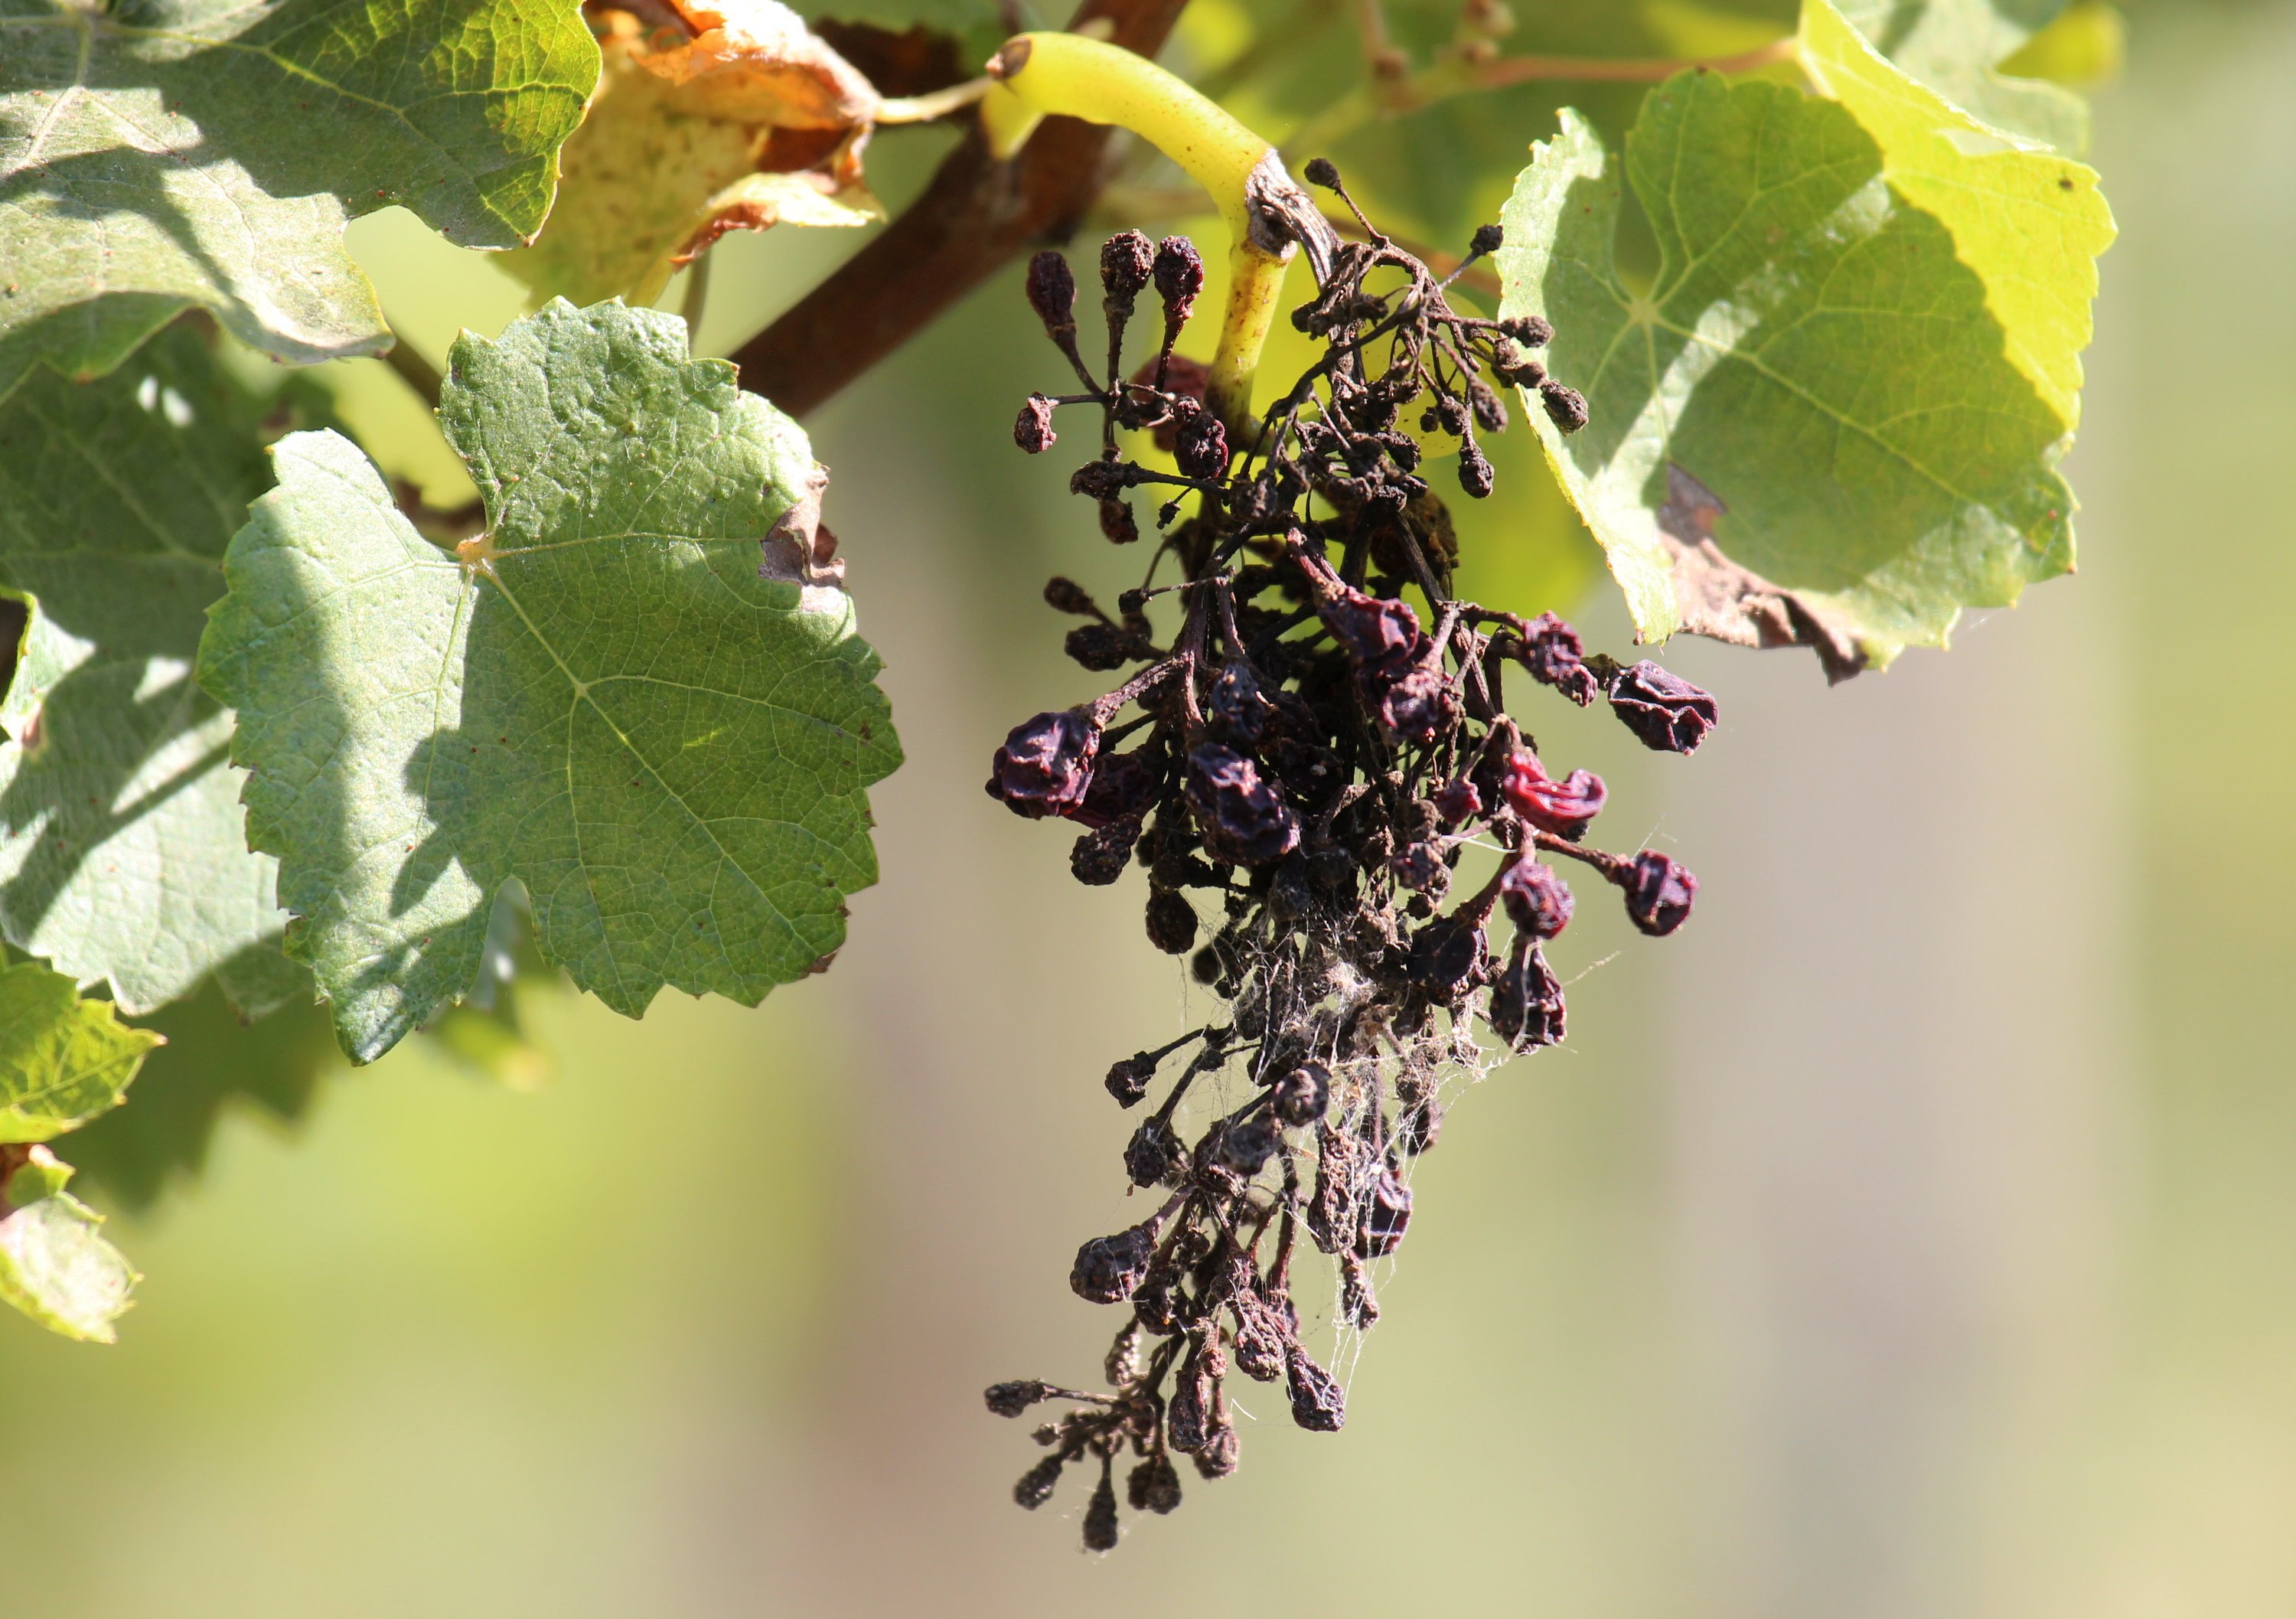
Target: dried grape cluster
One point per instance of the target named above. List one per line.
(1308, 758)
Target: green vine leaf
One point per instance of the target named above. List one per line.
(62, 1060)
(607, 696)
(56, 1265)
(123, 846)
(1835, 416)
(201, 152)
(1955, 47)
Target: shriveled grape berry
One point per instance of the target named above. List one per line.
(1152, 1151)
(1046, 764)
(1127, 259)
(1171, 922)
(1052, 294)
(1303, 1095)
(1538, 900)
(1179, 275)
(1564, 808)
(1011, 1399)
(1318, 1404)
(1659, 892)
(1107, 1269)
(1100, 1525)
(1668, 712)
(1154, 1485)
(1033, 430)
(1566, 407)
(1101, 856)
(1386, 1215)
(1241, 817)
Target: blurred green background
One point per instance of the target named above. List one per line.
(1913, 1236)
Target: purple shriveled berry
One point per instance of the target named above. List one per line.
(1526, 1008)
(1415, 702)
(1372, 629)
(1488, 239)
(1127, 259)
(1659, 892)
(1152, 1151)
(1011, 1399)
(1670, 714)
(1179, 275)
(1045, 767)
(1415, 865)
(1555, 656)
(1457, 801)
(1318, 1404)
(1386, 1214)
(1037, 1484)
(1033, 431)
(1218, 1457)
(1538, 900)
(1449, 956)
(1065, 595)
(1301, 1096)
(1171, 921)
(1108, 1268)
(1242, 818)
(1122, 785)
(1566, 407)
(1564, 808)
(1247, 1147)
(1154, 1485)
(1237, 712)
(1100, 1515)
(1200, 446)
(1052, 293)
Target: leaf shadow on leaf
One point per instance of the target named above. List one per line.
(1816, 355)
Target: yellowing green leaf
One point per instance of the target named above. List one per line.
(57, 1269)
(2030, 223)
(1958, 48)
(1834, 418)
(62, 1060)
(608, 697)
(668, 158)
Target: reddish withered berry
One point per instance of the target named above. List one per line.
(1659, 892)
(1046, 764)
(1668, 713)
(1108, 1268)
(1538, 900)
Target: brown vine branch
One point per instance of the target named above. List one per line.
(975, 215)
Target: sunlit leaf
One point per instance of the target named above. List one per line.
(201, 152)
(608, 697)
(62, 1060)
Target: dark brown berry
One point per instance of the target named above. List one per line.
(1108, 1268)
(1155, 1147)
(1033, 431)
(1127, 259)
(1302, 1097)
(1386, 1214)
(1179, 274)
(1318, 1404)
(1100, 1515)
(1566, 407)
(1011, 1399)
(1101, 856)
(1171, 922)
(1241, 816)
(1037, 1484)
(1154, 1485)
(1052, 293)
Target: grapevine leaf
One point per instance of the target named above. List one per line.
(1956, 48)
(1835, 415)
(57, 1268)
(201, 152)
(607, 697)
(123, 846)
(62, 1060)
(213, 1063)
(669, 157)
